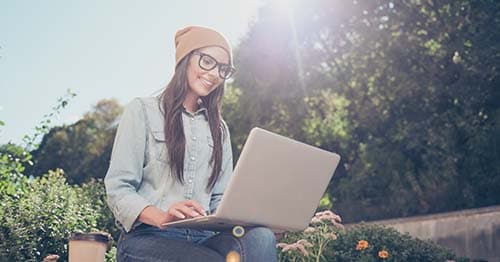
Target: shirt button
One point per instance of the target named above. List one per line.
(192, 158)
(192, 118)
(194, 138)
(190, 181)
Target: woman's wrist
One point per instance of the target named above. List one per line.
(152, 215)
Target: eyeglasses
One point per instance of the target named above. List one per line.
(208, 63)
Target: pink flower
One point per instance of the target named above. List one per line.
(309, 230)
(304, 243)
(331, 236)
(327, 216)
(299, 246)
(315, 221)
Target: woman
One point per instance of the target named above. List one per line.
(172, 160)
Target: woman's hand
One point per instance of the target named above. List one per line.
(185, 209)
(154, 216)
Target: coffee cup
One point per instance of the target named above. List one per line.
(89, 247)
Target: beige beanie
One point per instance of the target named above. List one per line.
(194, 37)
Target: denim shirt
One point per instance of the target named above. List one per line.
(139, 174)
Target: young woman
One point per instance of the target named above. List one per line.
(172, 160)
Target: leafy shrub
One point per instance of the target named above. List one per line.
(13, 161)
(94, 192)
(40, 221)
(111, 255)
(38, 216)
(378, 243)
(327, 240)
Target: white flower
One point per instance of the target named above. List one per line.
(309, 230)
(331, 236)
(315, 220)
(327, 216)
(304, 243)
(299, 246)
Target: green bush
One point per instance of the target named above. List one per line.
(40, 221)
(327, 240)
(397, 247)
(94, 192)
(37, 216)
(13, 161)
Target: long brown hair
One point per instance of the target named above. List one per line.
(172, 98)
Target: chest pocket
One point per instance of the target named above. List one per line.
(159, 146)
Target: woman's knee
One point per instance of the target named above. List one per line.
(263, 234)
(259, 244)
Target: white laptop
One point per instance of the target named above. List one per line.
(277, 182)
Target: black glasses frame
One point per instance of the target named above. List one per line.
(216, 64)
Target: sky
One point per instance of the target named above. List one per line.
(97, 49)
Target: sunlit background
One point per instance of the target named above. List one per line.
(98, 49)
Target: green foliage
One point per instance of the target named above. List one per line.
(326, 119)
(38, 215)
(326, 240)
(94, 192)
(400, 247)
(40, 221)
(82, 149)
(111, 255)
(13, 160)
(406, 92)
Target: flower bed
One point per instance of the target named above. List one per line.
(326, 239)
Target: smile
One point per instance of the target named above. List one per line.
(206, 83)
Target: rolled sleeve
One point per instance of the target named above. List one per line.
(125, 172)
(226, 172)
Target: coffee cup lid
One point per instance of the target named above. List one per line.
(92, 236)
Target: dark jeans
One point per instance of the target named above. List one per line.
(147, 243)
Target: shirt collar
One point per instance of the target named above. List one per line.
(201, 110)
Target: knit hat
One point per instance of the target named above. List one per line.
(194, 37)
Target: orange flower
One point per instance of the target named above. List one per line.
(362, 244)
(383, 254)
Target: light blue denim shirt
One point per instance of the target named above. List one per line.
(139, 173)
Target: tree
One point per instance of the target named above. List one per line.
(407, 93)
(82, 149)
